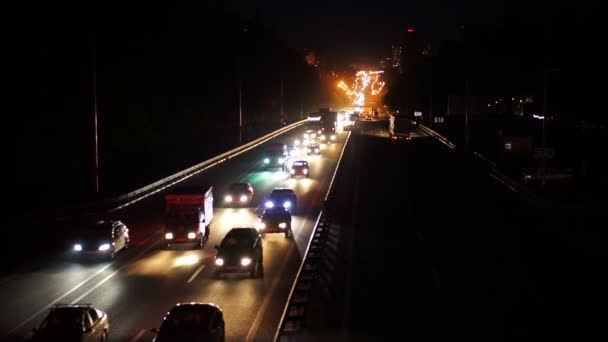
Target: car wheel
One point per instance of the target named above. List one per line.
(104, 336)
(253, 272)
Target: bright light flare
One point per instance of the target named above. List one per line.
(186, 260)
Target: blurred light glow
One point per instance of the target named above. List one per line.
(191, 235)
(77, 247)
(245, 261)
(185, 260)
(169, 236)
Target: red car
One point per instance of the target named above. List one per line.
(299, 168)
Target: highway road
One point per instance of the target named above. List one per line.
(142, 284)
(442, 251)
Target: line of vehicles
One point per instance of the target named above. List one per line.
(188, 216)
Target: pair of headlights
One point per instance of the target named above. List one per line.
(229, 198)
(244, 261)
(102, 248)
(191, 236)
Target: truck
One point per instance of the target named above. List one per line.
(274, 155)
(400, 128)
(188, 215)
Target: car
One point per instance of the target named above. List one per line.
(274, 155)
(293, 151)
(101, 239)
(192, 322)
(327, 137)
(310, 134)
(241, 250)
(299, 168)
(283, 197)
(275, 220)
(73, 322)
(239, 194)
(313, 149)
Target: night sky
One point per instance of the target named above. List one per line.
(362, 31)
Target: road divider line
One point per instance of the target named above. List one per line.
(196, 273)
(56, 300)
(139, 334)
(75, 301)
(256, 322)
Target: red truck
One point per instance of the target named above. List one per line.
(188, 215)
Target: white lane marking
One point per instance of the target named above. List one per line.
(275, 284)
(111, 275)
(139, 334)
(29, 319)
(196, 273)
(58, 299)
(95, 287)
(256, 322)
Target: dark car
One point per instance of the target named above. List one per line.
(275, 220)
(190, 322)
(299, 168)
(274, 155)
(313, 149)
(282, 197)
(240, 251)
(239, 194)
(82, 323)
(101, 239)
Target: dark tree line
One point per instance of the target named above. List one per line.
(168, 77)
(509, 59)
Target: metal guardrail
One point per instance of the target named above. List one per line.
(121, 201)
(495, 173)
(293, 316)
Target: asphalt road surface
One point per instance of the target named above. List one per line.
(442, 251)
(143, 283)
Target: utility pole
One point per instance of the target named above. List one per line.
(282, 116)
(95, 119)
(240, 111)
(466, 116)
(543, 160)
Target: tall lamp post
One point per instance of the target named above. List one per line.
(95, 133)
(543, 135)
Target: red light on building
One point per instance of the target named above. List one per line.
(410, 30)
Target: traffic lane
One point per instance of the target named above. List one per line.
(496, 269)
(158, 205)
(240, 297)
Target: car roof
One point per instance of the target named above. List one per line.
(196, 306)
(281, 190)
(241, 231)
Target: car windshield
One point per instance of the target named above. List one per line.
(238, 187)
(300, 164)
(187, 318)
(64, 320)
(96, 233)
(236, 240)
(182, 217)
(280, 193)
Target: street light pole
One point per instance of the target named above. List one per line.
(282, 117)
(95, 120)
(240, 111)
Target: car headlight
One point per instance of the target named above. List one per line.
(293, 171)
(77, 247)
(266, 160)
(296, 142)
(308, 150)
(104, 247)
(261, 225)
(243, 198)
(282, 225)
(333, 137)
(287, 204)
(281, 160)
(169, 236)
(322, 137)
(191, 235)
(316, 150)
(219, 262)
(228, 198)
(245, 261)
(313, 135)
(305, 171)
(269, 204)
(306, 135)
